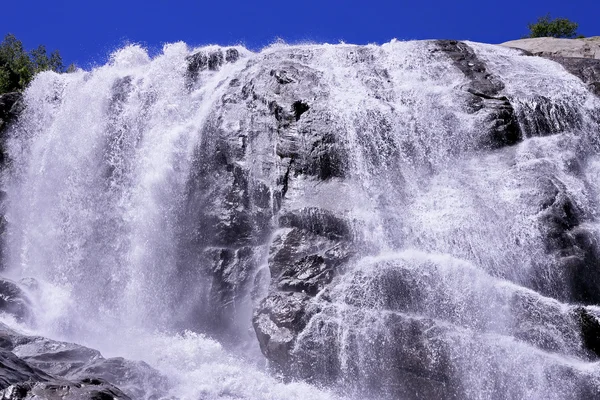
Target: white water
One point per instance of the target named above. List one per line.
(98, 182)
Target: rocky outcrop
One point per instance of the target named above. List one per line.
(586, 69)
(581, 57)
(33, 367)
(554, 47)
(14, 301)
(392, 327)
(484, 87)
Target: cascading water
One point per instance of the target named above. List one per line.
(412, 220)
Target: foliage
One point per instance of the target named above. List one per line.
(548, 27)
(18, 66)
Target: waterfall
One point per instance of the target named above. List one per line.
(411, 220)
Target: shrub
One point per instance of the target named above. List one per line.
(558, 28)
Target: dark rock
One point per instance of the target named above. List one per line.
(501, 121)
(317, 221)
(586, 69)
(465, 59)
(14, 370)
(540, 116)
(576, 276)
(14, 301)
(211, 60)
(282, 76)
(45, 368)
(277, 322)
(303, 260)
(590, 330)
(84, 390)
(299, 108)
(232, 55)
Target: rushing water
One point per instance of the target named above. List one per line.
(98, 203)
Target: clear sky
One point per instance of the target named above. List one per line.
(86, 31)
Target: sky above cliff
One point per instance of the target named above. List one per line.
(86, 32)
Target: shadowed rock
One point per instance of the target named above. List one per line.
(484, 87)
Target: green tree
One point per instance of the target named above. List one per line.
(18, 67)
(16, 70)
(548, 27)
(56, 63)
(40, 59)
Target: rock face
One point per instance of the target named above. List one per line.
(375, 326)
(554, 47)
(581, 57)
(586, 69)
(503, 127)
(35, 367)
(14, 301)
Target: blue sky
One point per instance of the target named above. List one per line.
(87, 31)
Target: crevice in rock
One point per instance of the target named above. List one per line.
(299, 108)
(286, 178)
(590, 330)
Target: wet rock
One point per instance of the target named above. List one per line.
(586, 69)
(573, 245)
(232, 55)
(317, 221)
(590, 329)
(37, 366)
(484, 87)
(406, 357)
(208, 60)
(540, 116)
(282, 76)
(278, 321)
(14, 301)
(87, 389)
(14, 370)
(304, 258)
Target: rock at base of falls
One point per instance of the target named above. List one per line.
(14, 301)
(33, 366)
